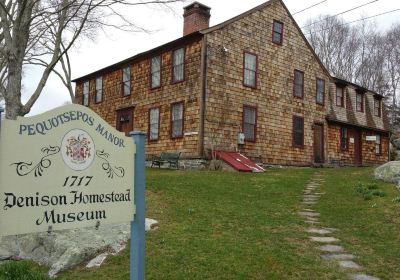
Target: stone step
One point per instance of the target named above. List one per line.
(309, 214)
(312, 222)
(362, 276)
(309, 202)
(311, 196)
(319, 231)
(331, 248)
(338, 257)
(349, 265)
(324, 239)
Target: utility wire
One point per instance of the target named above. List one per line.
(312, 6)
(347, 23)
(341, 13)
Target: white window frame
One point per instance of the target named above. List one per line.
(154, 124)
(249, 126)
(85, 98)
(250, 70)
(155, 72)
(126, 81)
(177, 121)
(99, 90)
(178, 66)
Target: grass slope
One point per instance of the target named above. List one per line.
(216, 225)
(368, 228)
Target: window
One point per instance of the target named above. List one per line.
(99, 89)
(360, 102)
(298, 132)
(85, 100)
(298, 87)
(154, 123)
(277, 32)
(155, 72)
(250, 70)
(377, 107)
(339, 96)
(178, 59)
(177, 120)
(378, 145)
(126, 81)
(249, 122)
(344, 138)
(320, 98)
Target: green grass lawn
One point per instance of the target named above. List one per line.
(217, 225)
(369, 228)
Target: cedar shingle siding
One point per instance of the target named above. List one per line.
(214, 93)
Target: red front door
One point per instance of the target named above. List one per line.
(125, 120)
(357, 147)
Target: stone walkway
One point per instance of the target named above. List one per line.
(323, 237)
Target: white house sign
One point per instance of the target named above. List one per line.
(66, 168)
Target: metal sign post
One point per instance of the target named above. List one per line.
(137, 259)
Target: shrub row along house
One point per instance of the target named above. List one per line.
(253, 75)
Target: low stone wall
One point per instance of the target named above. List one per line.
(186, 164)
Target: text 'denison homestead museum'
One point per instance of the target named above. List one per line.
(66, 168)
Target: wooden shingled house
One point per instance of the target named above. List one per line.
(251, 84)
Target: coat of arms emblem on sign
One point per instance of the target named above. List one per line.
(77, 149)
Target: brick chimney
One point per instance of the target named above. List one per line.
(196, 17)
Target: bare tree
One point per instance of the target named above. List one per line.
(392, 67)
(334, 42)
(41, 32)
(353, 52)
(360, 54)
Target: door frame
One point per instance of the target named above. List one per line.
(122, 111)
(358, 157)
(322, 125)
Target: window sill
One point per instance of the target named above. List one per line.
(176, 137)
(249, 86)
(298, 147)
(177, 82)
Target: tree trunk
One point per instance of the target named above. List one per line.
(13, 97)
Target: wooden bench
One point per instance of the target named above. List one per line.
(166, 157)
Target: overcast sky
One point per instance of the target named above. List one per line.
(112, 46)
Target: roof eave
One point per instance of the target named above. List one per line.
(345, 82)
(334, 120)
(139, 56)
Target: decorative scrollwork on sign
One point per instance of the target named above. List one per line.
(117, 171)
(25, 168)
